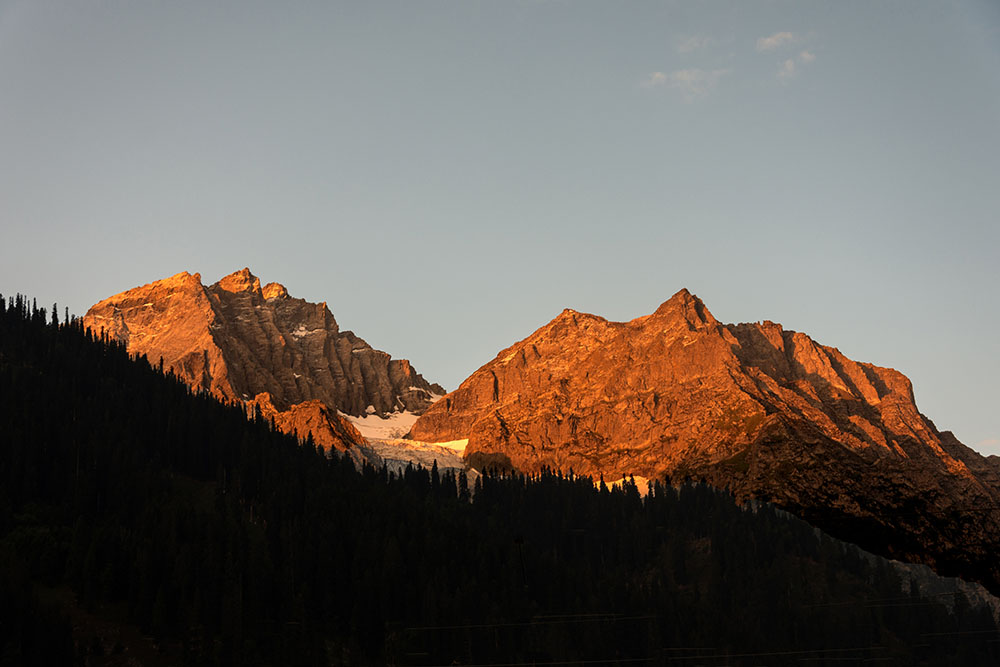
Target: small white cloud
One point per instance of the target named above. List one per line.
(693, 43)
(655, 79)
(692, 84)
(775, 41)
(787, 70)
(791, 67)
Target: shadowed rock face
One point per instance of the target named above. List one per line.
(240, 341)
(766, 412)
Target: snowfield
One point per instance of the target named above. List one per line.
(398, 453)
(641, 483)
(385, 438)
(395, 425)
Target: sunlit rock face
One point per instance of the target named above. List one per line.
(310, 418)
(247, 343)
(766, 412)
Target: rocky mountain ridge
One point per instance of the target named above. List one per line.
(763, 411)
(241, 341)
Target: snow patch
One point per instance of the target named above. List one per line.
(398, 452)
(302, 332)
(395, 425)
(455, 445)
(641, 483)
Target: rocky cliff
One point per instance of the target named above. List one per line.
(256, 344)
(766, 412)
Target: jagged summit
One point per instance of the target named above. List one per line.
(575, 318)
(275, 291)
(757, 369)
(683, 307)
(239, 281)
(182, 278)
(765, 411)
(241, 342)
(686, 306)
(680, 298)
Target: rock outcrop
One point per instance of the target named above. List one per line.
(310, 418)
(763, 411)
(243, 342)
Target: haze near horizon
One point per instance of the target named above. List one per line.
(450, 176)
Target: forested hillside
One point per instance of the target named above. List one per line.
(228, 542)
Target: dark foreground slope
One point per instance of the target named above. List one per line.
(126, 498)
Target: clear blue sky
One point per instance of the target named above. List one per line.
(449, 176)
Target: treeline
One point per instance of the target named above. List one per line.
(232, 543)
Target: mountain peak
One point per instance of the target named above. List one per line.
(275, 291)
(687, 306)
(574, 318)
(224, 339)
(240, 281)
(764, 412)
(180, 279)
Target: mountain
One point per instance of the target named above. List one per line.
(243, 342)
(765, 412)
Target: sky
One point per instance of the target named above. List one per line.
(448, 176)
